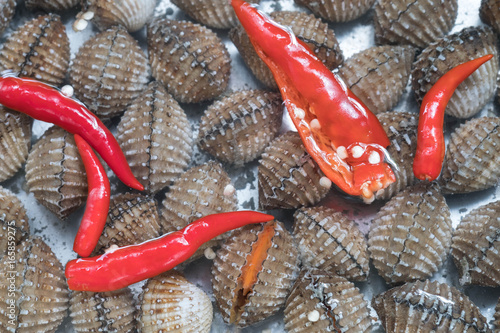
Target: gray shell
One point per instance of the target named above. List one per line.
(51, 5)
(337, 10)
(13, 221)
(489, 12)
(7, 10)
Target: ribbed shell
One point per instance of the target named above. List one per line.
(51, 5)
(237, 128)
(329, 241)
(13, 220)
(489, 12)
(340, 305)
(425, 306)
(41, 294)
(476, 245)
(496, 316)
(170, 303)
(156, 137)
(411, 235)
(288, 177)
(379, 75)
(112, 311)
(414, 22)
(7, 10)
(55, 173)
(109, 71)
(472, 157)
(337, 10)
(189, 59)
(39, 49)
(15, 141)
(274, 278)
(450, 51)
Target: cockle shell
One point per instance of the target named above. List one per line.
(109, 71)
(337, 10)
(329, 241)
(450, 51)
(55, 173)
(489, 12)
(15, 141)
(33, 289)
(112, 311)
(237, 128)
(7, 10)
(39, 49)
(13, 222)
(51, 5)
(288, 177)
(472, 157)
(414, 22)
(156, 137)
(379, 75)
(189, 59)
(253, 272)
(475, 246)
(411, 235)
(337, 304)
(425, 306)
(170, 303)
(496, 316)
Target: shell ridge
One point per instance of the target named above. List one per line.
(371, 70)
(152, 112)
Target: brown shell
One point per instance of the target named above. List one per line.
(41, 297)
(414, 22)
(109, 71)
(112, 311)
(190, 60)
(379, 75)
(337, 10)
(237, 128)
(15, 141)
(472, 157)
(39, 49)
(13, 221)
(450, 51)
(338, 302)
(274, 276)
(489, 12)
(55, 173)
(475, 246)
(424, 306)
(7, 10)
(156, 137)
(411, 235)
(51, 5)
(288, 177)
(496, 316)
(170, 303)
(329, 241)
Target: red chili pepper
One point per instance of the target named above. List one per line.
(430, 152)
(46, 103)
(97, 207)
(339, 132)
(130, 264)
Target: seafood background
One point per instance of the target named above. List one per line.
(353, 36)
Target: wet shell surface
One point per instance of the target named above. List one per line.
(475, 246)
(170, 303)
(489, 12)
(411, 235)
(155, 136)
(109, 71)
(414, 22)
(237, 128)
(425, 306)
(329, 241)
(324, 302)
(38, 49)
(13, 221)
(112, 311)
(7, 10)
(472, 157)
(51, 5)
(450, 51)
(379, 75)
(288, 177)
(337, 10)
(253, 273)
(36, 277)
(189, 59)
(15, 141)
(55, 173)
(496, 316)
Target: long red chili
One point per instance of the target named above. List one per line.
(46, 103)
(430, 152)
(339, 132)
(130, 264)
(97, 206)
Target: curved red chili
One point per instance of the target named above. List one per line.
(46, 103)
(430, 152)
(97, 206)
(339, 132)
(130, 264)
